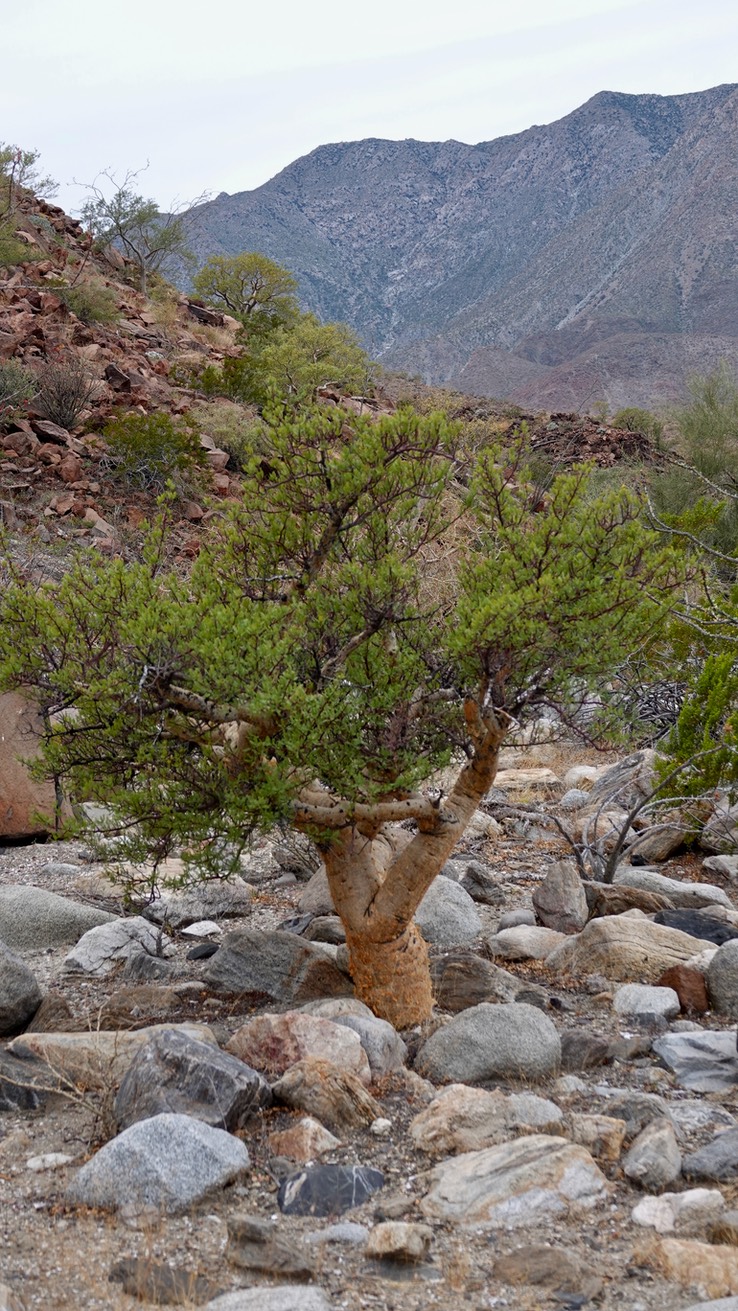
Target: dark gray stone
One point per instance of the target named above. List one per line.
(385, 1050)
(702, 1062)
(328, 1189)
(560, 901)
(167, 1163)
(462, 979)
(637, 1109)
(447, 916)
(20, 995)
(475, 878)
(176, 1073)
(582, 1050)
(20, 1084)
(722, 980)
(203, 951)
(699, 924)
(275, 965)
(717, 1160)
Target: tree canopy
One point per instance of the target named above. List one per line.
(251, 287)
(312, 670)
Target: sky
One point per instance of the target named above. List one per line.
(219, 95)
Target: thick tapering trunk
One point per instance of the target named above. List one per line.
(379, 876)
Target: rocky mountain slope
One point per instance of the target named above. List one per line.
(593, 258)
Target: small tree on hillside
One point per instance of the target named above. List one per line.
(117, 216)
(252, 288)
(19, 172)
(311, 672)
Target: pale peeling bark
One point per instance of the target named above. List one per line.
(377, 881)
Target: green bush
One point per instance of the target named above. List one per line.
(634, 419)
(12, 250)
(148, 451)
(233, 429)
(17, 388)
(92, 302)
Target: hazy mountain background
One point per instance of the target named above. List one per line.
(591, 259)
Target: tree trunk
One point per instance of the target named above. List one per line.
(378, 876)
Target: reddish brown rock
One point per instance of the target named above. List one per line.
(689, 986)
(273, 1043)
(70, 469)
(22, 800)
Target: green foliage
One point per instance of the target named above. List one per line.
(65, 389)
(92, 301)
(117, 216)
(634, 419)
(13, 251)
(309, 641)
(233, 429)
(252, 288)
(705, 737)
(17, 389)
(147, 451)
(232, 380)
(708, 428)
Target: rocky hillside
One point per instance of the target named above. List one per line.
(590, 259)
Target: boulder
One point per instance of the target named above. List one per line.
(624, 948)
(168, 1162)
(702, 924)
(688, 1212)
(20, 994)
(533, 1178)
(178, 907)
(570, 1277)
(464, 1119)
(303, 1141)
(96, 1059)
(691, 896)
(385, 1050)
(690, 987)
(710, 1268)
(399, 1240)
(334, 1096)
(447, 916)
(717, 1160)
(32, 919)
(524, 942)
(22, 1085)
(602, 1135)
(257, 1244)
(560, 901)
(277, 965)
(703, 1062)
(512, 1041)
(462, 979)
(175, 1072)
(101, 950)
(654, 1159)
(328, 1189)
(279, 1297)
(725, 867)
(273, 1043)
(641, 1002)
(316, 898)
(23, 800)
(722, 979)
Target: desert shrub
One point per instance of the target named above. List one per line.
(148, 451)
(12, 250)
(233, 380)
(92, 302)
(17, 388)
(232, 428)
(65, 389)
(634, 419)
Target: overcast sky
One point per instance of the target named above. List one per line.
(219, 95)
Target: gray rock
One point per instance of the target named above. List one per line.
(208, 901)
(626, 948)
(280, 1297)
(654, 1159)
(385, 1050)
(10, 1300)
(475, 878)
(574, 799)
(512, 1041)
(717, 1160)
(279, 965)
(32, 918)
(512, 918)
(174, 1072)
(257, 1244)
(524, 942)
(637, 1109)
(642, 1002)
(462, 979)
(101, 950)
(20, 995)
(447, 916)
(316, 896)
(516, 1183)
(722, 979)
(168, 1162)
(722, 1304)
(346, 1231)
(692, 1115)
(560, 902)
(692, 896)
(724, 866)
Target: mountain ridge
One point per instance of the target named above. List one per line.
(434, 251)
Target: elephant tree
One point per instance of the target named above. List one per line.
(375, 607)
